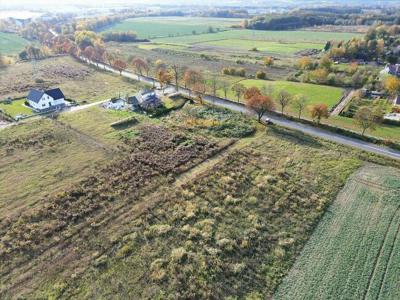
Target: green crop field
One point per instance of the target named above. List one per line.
(153, 27)
(313, 92)
(355, 251)
(11, 43)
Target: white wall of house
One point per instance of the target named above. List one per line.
(46, 102)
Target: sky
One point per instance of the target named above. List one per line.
(29, 4)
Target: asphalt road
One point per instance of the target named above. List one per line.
(313, 131)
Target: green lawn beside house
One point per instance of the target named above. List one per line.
(16, 108)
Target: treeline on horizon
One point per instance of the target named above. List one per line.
(322, 16)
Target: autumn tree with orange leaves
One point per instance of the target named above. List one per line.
(119, 65)
(139, 65)
(319, 111)
(164, 78)
(257, 102)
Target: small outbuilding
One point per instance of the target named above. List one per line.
(145, 100)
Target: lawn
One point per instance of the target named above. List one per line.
(156, 27)
(313, 92)
(11, 43)
(17, 107)
(354, 252)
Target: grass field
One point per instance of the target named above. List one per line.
(263, 46)
(17, 107)
(284, 42)
(155, 27)
(313, 92)
(95, 122)
(355, 251)
(208, 233)
(261, 35)
(383, 131)
(38, 158)
(11, 44)
(188, 199)
(77, 81)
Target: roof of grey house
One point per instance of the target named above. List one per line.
(36, 95)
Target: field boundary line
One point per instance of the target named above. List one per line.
(376, 185)
(372, 275)
(390, 258)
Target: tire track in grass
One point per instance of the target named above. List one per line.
(380, 253)
(361, 246)
(390, 259)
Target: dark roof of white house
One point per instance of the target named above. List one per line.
(55, 93)
(36, 95)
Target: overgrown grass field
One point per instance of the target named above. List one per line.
(38, 158)
(355, 251)
(11, 43)
(156, 27)
(199, 203)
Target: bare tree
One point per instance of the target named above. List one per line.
(176, 71)
(299, 103)
(239, 90)
(225, 87)
(284, 99)
(214, 85)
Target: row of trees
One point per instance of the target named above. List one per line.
(259, 102)
(262, 101)
(116, 36)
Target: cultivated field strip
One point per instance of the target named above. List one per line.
(353, 254)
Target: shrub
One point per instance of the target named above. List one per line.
(261, 75)
(179, 255)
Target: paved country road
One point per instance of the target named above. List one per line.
(308, 129)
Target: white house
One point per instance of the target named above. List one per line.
(46, 100)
